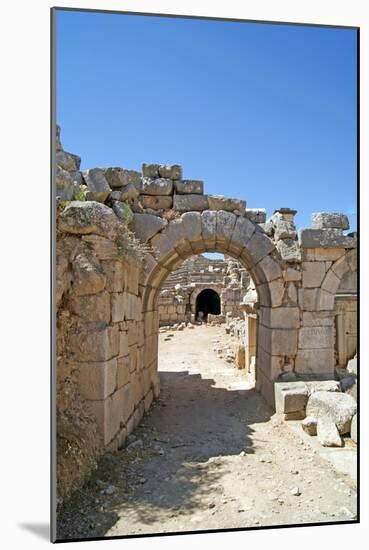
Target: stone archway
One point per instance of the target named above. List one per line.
(234, 235)
(207, 301)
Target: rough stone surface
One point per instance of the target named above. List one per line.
(312, 274)
(339, 407)
(66, 185)
(173, 172)
(186, 203)
(150, 170)
(256, 215)
(353, 433)
(84, 217)
(189, 187)
(309, 425)
(118, 177)
(157, 186)
(329, 220)
(327, 433)
(325, 238)
(323, 385)
(289, 250)
(290, 397)
(146, 226)
(97, 186)
(218, 202)
(68, 161)
(157, 202)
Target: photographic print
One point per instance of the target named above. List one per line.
(204, 194)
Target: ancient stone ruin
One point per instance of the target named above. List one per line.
(121, 234)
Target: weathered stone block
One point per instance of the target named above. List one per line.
(242, 233)
(97, 186)
(66, 185)
(281, 317)
(84, 217)
(219, 202)
(67, 161)
(105, 249)
(145, 226)
(97, 380)
(339, 407)
(270, 268)
(157, 186)
(289, 250)
(290, 397)
(325, 238)
(98, 344)
(315, 361)
(123, 343)
(255, 215)
(323, 385)
(118, 177)
(88, 277)
(325, 300)
(173, 172)
(328, 220)
(327, 433)
(331, 282)
(353, 432)
(312, 274)
(156, 202)
(291, 274)
(187, 203)
(317, 319)
(316, 337)
(92, 307)
(284, 230)
(259, 246)
(189, 187)
(226, 222)
(309, 425)
(114, 271)
(123, 372)
(308, 298)
(150, 170)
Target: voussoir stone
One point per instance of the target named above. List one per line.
(186, 203)
(97, 186)
(157, 186)
(219, 202)
(85, 217)
(189, 187)
(339, 407)
(145, 226)
(329, 220)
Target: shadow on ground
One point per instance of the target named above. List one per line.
(175, 465)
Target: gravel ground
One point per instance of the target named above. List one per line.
(208, 455)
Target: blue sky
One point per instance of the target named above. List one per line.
(262, 112)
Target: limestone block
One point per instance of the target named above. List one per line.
(127, 193)
(150, 170)
(66, 184)
(226, 222)
(140, 333)
(148, 400)
(173, 172)
(353, 432)
(289, 250)
(192, 226)
(327, 433)
(291, 293)
(67, 161)
(125, 402)
(352, 366)
(132, 333)
(339, 407)
(309, 425)
(123, 343)
(137, 387)
(97, 344)
(281, 317)
(156, 202)
(327, 220)
(114, 271)
(121, 210)
(308, 298)
(93, 308)
(291, 274)
(97, 380)
(84, 217)
(255, 215)
(271, 294)
(242, 233)
(209, 226)
(123, 372)
(270, 268)
(328, 254)
(325, 238)
(98, 188)
(316, 337)
(119, 177)
(105, 249)
(187, 203)
(189, 187)
(145, 226)
(312, 274)
(290, 397)
(219, 202)
(101, 410)
(331, 282)
(259, 246)
(157, 186)
(325, 301)
(88, 277)
(133, 358)
(278, 341)
(317, 319)
(315, 361)
(323, 385)
(284, 230)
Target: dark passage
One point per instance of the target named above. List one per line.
(208, 301)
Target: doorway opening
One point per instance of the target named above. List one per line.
(208, 301)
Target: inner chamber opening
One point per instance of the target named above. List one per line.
(208, 301)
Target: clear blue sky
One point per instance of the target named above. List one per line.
(258, 111)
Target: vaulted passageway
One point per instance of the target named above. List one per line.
(208, 301)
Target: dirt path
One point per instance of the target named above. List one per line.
(208, 455)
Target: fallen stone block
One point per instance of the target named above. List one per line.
(323, 385)
(290, 397)
(187, 203)
(327, 433)
(157, 186)
(352, 366)
(339, 407)
(329, 220)
(309, 425)
(98, 188)
(189, 187)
